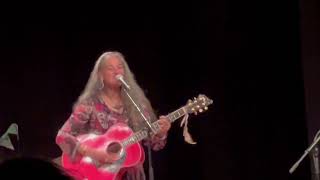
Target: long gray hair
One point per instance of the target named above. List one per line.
(94, 87)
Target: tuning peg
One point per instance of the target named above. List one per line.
(206, 108)
(189, 102)
(192, 109)
(198, 106)
(195, 113)
(201, 110)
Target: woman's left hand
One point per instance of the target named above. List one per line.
(165, 125)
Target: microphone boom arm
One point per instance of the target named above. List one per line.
(120, 78)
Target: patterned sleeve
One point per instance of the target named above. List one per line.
(157, 143)
(76, 124)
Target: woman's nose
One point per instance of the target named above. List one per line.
(119, 71)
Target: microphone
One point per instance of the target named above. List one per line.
(120, 78)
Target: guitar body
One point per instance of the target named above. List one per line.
(90, 169)
(131, 152)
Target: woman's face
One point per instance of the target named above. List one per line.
(111, 68)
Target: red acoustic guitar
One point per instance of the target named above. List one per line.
(121, 139)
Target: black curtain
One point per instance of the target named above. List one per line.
(244, 55)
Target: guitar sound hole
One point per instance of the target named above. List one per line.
(114, 147)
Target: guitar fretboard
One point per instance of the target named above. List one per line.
(140, 135)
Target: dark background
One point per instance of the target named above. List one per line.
(258, 61)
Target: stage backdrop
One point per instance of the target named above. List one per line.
(244, 55)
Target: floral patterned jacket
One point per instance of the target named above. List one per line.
(94, 116)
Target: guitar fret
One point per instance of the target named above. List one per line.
(182, 111)
(140, 135)
(176, 114)
(171, 119)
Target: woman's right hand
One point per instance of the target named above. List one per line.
(98, 154)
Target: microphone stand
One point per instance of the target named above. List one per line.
(315, 156)
(141, 113)
(150, 168)
(315, 161)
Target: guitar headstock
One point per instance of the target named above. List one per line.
(199, 104)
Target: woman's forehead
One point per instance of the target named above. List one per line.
(113, 60)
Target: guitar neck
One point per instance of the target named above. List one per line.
(142, 134)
